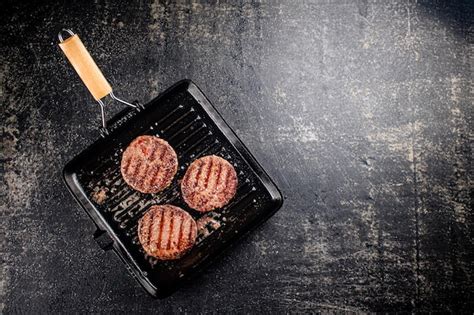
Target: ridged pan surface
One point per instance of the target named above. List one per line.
(184, 117)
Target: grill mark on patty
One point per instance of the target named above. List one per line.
(157, 228)
(150, 176)
(130, 167)
(212, 180)
(209, 172)
(190, 233)
(218, 176)
(160, 170)
(156, 148)
(187, 227)
(175, 232)
(126, 165)
(149, 228)
(204, 173)
(149, 220)
(180, 233)
(166, 231)
(160, 239)
(188, 178)
(221, 183)
(144, 225)
(162, 153)
(137, 169)
(194, 180)
(148, 180)
(170, 233)
(133, 165)
(153, 218)
(142, 174)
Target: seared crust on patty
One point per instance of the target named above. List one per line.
(149, 164)
(210, 182)
(167, 232)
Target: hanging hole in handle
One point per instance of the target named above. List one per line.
(60, 35)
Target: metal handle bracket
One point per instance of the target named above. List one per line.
(88, 71)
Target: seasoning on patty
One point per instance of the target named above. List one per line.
(149, 164)
(210, 182)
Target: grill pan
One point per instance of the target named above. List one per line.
(184, 117)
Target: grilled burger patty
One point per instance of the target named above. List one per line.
(149, 164)
(167, 232)
(210, 182)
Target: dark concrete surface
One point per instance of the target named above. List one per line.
(361, 111)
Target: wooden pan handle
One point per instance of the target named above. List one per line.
(85, 67)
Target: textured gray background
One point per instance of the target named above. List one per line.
(359, 110)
